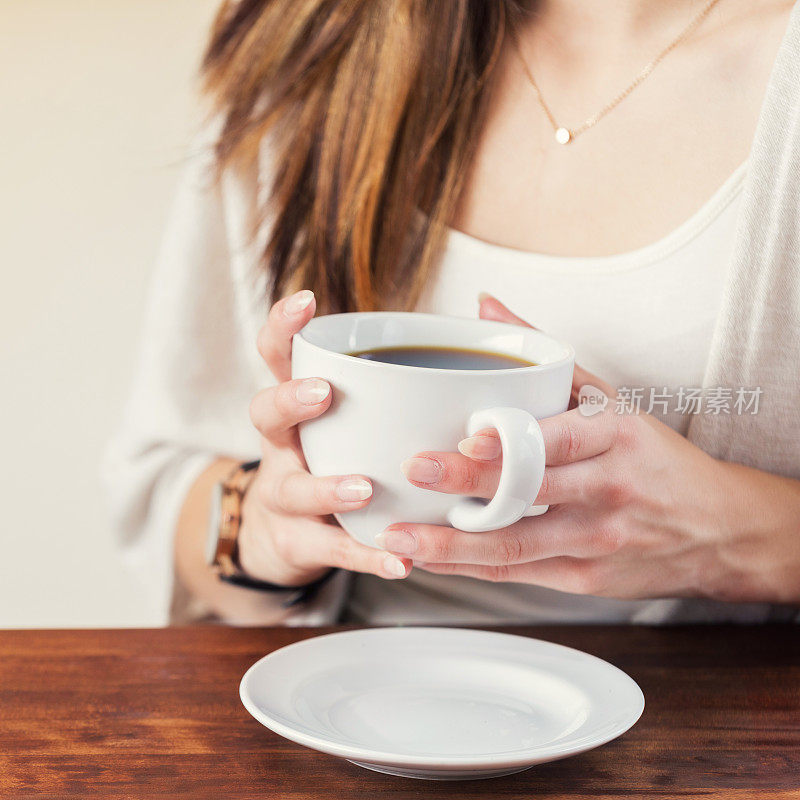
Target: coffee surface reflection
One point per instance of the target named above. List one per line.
(442, 358)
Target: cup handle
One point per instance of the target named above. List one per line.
(520, 478)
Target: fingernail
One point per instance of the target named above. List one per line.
(484, 296)
(394, 566)
(353, 489)
(481, 448)
(298, 302)
(396, 541)
(312, 391)
(422, 470)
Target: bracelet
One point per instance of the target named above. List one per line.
(300, 594)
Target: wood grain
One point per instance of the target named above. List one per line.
(156, 714)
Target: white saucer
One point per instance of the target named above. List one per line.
(440, 703)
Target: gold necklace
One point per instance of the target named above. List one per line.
(564, 135)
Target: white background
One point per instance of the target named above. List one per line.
(97, 101)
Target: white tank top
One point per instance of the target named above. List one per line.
(641, 320)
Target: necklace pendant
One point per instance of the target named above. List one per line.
(563, 135)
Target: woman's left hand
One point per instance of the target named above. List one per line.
(636, 511)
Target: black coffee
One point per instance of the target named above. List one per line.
(442, 358)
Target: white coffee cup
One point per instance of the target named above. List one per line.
(382, 414)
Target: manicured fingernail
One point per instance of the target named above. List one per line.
(396, 541)
(483, 296)
(422, 470)
(312, 391)
(394, 566)
(481, 448)
(351, 489)
(298, 302)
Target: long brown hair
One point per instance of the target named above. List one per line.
(373, 109)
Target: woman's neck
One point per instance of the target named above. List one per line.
(601, 25)
(623, 16)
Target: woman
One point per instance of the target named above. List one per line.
(413, 154)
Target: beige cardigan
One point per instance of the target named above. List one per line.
(757, 340)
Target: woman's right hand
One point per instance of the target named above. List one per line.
(285, 537)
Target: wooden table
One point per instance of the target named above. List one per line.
(156, 713)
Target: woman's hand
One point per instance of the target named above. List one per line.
(285, 537)
(635, 511)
